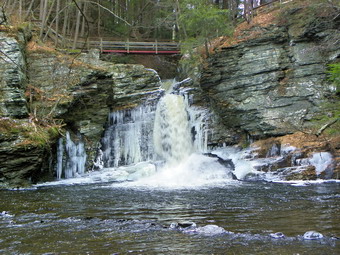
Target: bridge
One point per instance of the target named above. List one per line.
(107, 45)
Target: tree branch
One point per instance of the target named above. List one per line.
(327, 125)
(103, 7)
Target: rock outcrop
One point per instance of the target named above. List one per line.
(41, 85)
(22, 159)
(12, 77)
(273, 79)
(82, 91)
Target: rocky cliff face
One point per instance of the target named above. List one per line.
(272, 80)
(12, 76)
(43, 86)
(83, 90)
(19, 162)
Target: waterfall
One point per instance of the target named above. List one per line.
(198, 126)
(172, 139)
(158, 143)
(180, 137)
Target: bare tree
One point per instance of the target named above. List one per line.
(57, 20)
(76, 33)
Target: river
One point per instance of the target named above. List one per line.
(116, 218)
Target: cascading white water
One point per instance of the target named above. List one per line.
(180, 138)
(198, 126)
(172, 139)
(172, 135)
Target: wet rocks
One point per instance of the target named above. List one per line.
(20, 165)
(182, 225)
(191, 228)
(309, 160)
(277, 235)
(228, 163)
(312, 235)
(209, 230)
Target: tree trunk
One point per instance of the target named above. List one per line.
(82, 32)
(42, 8)
(43, 16)
(44, 23)
(206, 47)
(66, 17)
(99, 14)
(20, 10)
(76, 33)
(57, 22)
(29, 10)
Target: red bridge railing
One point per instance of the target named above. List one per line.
(130, 47)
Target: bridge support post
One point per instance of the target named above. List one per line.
(127, 46)
(101, 44)
(156, 47)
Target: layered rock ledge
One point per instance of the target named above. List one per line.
(272, 80)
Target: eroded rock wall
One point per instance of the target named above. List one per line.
(274, 82)
(12, 77)
(46, 87)
(82, 91)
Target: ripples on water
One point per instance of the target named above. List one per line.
(110, 218)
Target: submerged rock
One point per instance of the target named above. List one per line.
(191, 228)
(312, 235)
(209, 230)
(277, 235)
(227, 163)
(182, 225)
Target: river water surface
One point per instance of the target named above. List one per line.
(113, 218)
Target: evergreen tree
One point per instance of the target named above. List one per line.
(202, 21)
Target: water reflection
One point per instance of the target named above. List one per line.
(108, 219)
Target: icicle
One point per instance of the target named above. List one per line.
(60, 154)
(76, 158)
(128, 139)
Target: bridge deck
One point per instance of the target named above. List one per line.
(129, 47)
